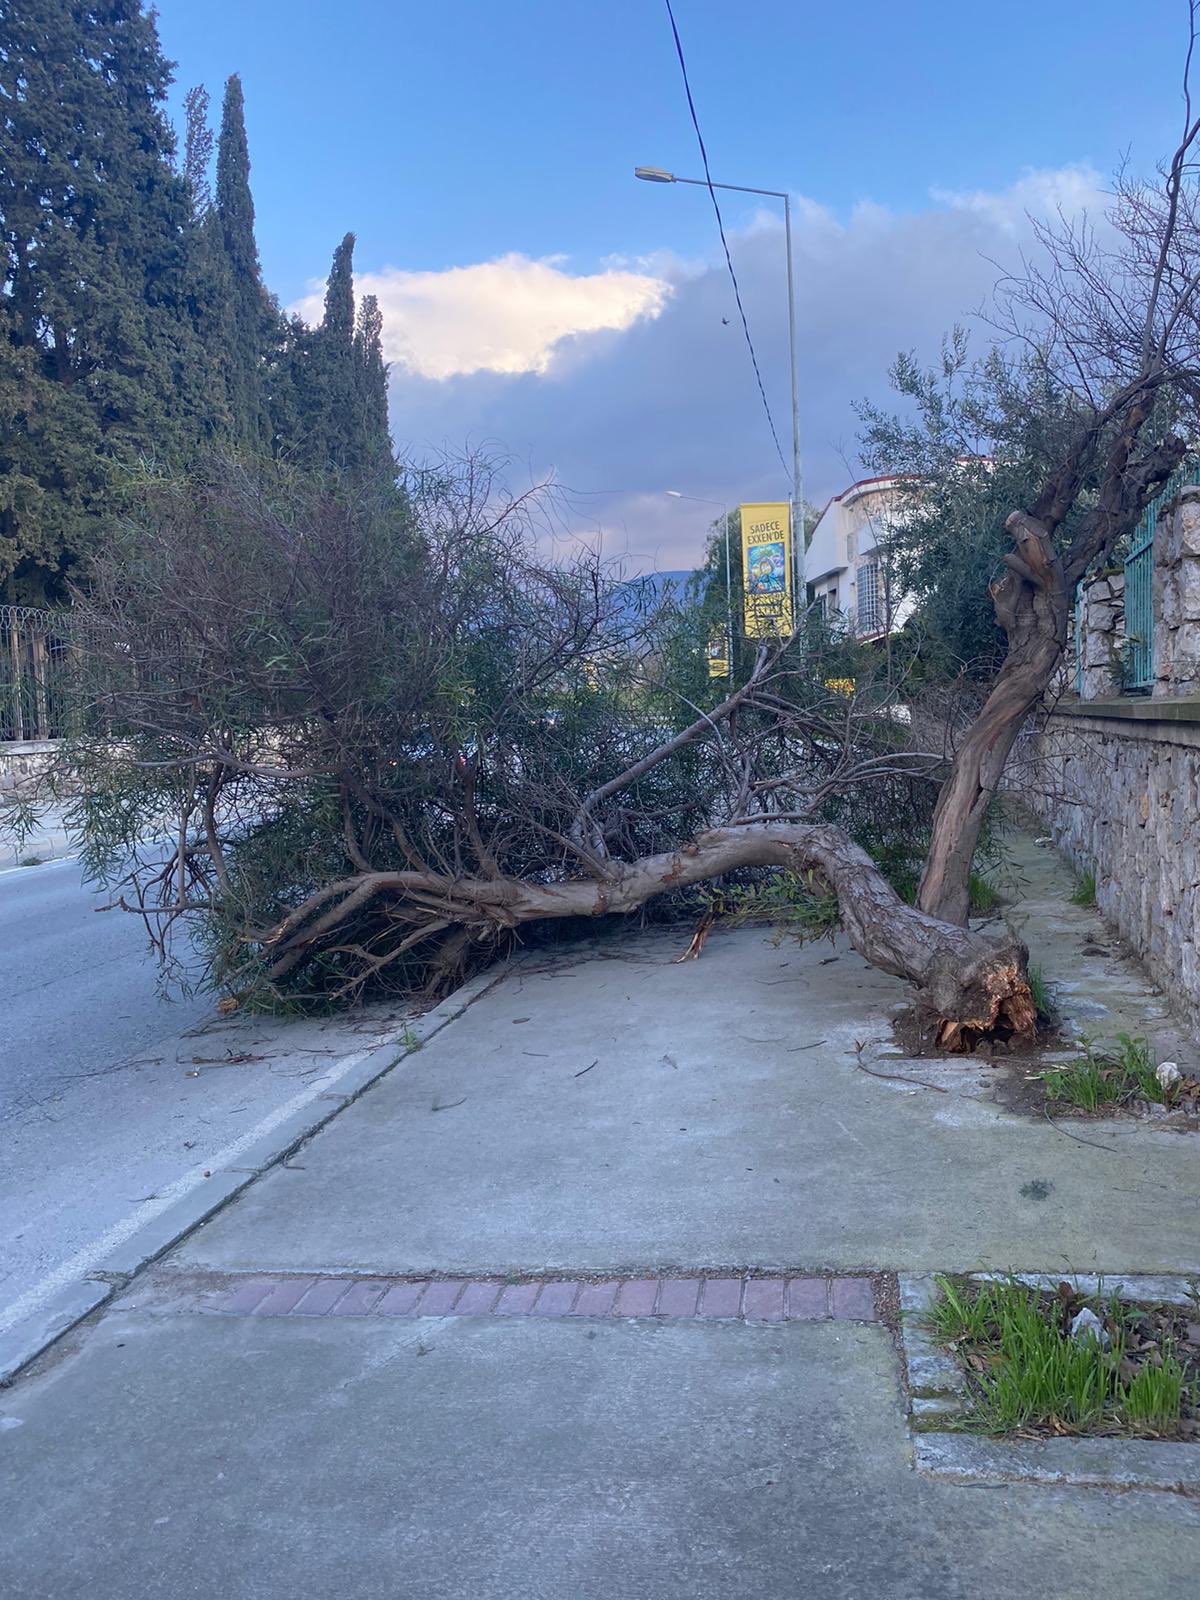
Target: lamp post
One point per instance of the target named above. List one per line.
(658, 175)
(724, 505)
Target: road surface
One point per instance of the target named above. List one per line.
(114, 1099)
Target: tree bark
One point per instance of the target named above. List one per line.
(1033, 606)
(971, 985)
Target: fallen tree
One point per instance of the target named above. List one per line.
(382, 733)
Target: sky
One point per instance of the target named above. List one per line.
(540, 303)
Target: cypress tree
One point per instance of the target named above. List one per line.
(371, 372)
(252, 330)
(98, 353)
(325, 379)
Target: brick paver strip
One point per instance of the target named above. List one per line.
(321, 1298)
(722, 1297)
(477, 1299)
(439, 1298)
(596, 1299)
(807, 1298)
(283, 1297)
(637, 1297)
(401, 1299)
(516, 1299)
(361, 1297)
(763, 1300)
(243, 1297)
(556, 1299)
(678, 1296)
(853, 1299)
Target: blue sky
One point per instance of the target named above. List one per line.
(453, 137)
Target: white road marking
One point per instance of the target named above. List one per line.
(89, 1258)
(58, 861)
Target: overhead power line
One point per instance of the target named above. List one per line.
(712, 195)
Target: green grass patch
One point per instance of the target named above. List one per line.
(1085, 890)
(1027, 1373)
(1039, 991)
(1114, 1076)
(983, 896)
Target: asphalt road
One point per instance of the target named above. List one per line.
(112, 1097)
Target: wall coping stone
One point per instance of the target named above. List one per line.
(28, 747)
(1183, 708)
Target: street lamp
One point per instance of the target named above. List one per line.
(724, 505)
(660, 175)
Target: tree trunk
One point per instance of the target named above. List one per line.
(1033, 607)
(971, 985)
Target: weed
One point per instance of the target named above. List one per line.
(1085, 889)
(1153, 1399)
(1087, 1083)
(410, 1041)
(984, 897)
(1098, 1078)
(1025, 1370)
(31, 861)
(1039, 992)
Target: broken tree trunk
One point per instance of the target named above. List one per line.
(1032, 604)
(971, 985)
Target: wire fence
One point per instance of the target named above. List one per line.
(34, 651)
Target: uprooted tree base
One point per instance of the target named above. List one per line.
(972, 987)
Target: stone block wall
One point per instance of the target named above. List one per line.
(1102, 637)
(23, 764)
(1176, 598)
(1119, 792)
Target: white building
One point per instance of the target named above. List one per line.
(843, 565)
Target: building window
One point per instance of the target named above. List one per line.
(870, 611)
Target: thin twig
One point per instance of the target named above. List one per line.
(898, 1077)
(1078, 1138)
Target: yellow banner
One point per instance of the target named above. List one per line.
(718, 653)
(767, 569)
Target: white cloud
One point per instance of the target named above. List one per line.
(507, 316)
(664, 396)
(1071, 190)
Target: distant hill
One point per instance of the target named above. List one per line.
(647, 593)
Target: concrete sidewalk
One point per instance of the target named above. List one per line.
(574, 1460)
(625, 1112)
(229, 1428)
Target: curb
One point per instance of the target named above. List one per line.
(938, 1395)
(29, 1338)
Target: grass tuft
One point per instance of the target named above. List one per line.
(1085, 889)
(1025, 1371)
(983, 895)
(1108, 1077)
(1039, 992)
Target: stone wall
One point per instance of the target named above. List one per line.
(1176, 598)
(1101, 636)
(1119, 792)
(23, 763)
(1116, 779)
